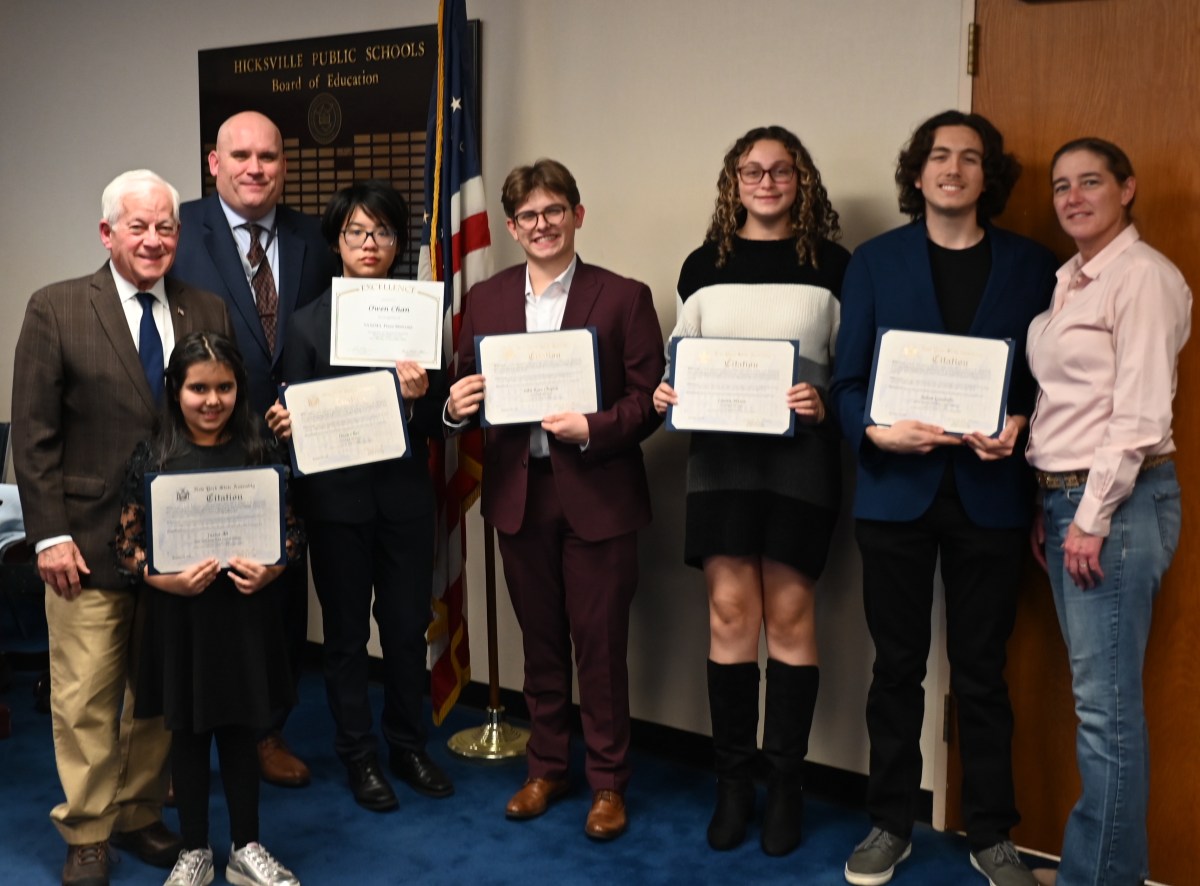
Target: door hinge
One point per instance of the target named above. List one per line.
(972, 49)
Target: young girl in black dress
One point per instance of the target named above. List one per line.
(214, 663)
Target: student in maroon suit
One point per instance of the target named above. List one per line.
(568, 495)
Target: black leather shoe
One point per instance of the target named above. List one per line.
(154, 844)
(86, 865)
(419, 772)
(370, 787)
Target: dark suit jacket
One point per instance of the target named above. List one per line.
(80, 405)
(889, 284)
(397, 488)
(208, 258)
(603, 490)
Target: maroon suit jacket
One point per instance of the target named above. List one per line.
(80, 405)
(603, 489)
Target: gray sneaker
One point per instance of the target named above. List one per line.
(874, 860)
(194, 868)
(1002, 866)
(252, 865)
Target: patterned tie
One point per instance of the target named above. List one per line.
(150, 348)
(266, 298)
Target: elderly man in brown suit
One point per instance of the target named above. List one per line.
(88, 380)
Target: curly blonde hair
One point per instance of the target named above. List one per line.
(813, 217)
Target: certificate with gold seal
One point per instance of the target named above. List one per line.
(194, 515)
(530, 375)
(347, 420)
(957, 382)
(733, 385)
(377, 322)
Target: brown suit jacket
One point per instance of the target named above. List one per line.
(603, 489)
(81, 403)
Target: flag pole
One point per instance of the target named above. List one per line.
(496, 739)
(455, 250)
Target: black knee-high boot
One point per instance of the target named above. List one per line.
(733, 705)
(791, 698)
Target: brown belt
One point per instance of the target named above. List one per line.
(1075, 479)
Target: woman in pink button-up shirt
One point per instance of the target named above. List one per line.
(1105, 357)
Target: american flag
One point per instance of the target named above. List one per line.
(455, 214)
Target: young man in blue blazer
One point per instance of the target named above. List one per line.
(923, 493)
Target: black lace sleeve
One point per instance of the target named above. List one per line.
(129, 542)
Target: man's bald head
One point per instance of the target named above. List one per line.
(248, 164)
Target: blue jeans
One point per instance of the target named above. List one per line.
(1106, 629)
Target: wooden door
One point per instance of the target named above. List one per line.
(1128, 71)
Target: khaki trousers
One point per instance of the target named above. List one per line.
(112, 767)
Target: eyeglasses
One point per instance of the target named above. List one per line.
(780, 174)
(357, 237)
(553, 214)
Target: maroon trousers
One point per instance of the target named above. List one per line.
(565, 589)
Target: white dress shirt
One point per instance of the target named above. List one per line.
(544, 313)
(241, 234)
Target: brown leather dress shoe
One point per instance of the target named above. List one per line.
(535, 797)
(86, 865)
(279, 765)
(607, 819)
(155, 844)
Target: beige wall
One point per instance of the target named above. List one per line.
(639, 97)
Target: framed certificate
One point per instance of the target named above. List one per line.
(377, 322)
(957, 382)
(348, 420)
(534, 374)
(736, 385)
(194, 515)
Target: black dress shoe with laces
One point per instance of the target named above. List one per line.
(370, 787)
(155, 844)
(419, 772)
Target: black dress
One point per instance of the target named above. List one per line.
(751, 495)
(216, 659)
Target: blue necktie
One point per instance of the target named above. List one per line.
(150, 349)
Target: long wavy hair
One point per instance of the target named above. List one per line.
(1000, 170)
(244, 426)
(812, 217)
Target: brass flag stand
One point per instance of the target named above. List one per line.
(495, 739)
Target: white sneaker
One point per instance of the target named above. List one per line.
(252, 865)
(194, 868)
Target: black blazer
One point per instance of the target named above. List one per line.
(394, 489)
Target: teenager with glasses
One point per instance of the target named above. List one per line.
(370, 527)
(761, 509)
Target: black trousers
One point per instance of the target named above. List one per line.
(393, 560)
(980, 569)
(239, 775)
(293, 585)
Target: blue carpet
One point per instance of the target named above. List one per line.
(325, 838)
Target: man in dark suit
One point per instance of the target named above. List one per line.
(87, 380)
(265, 260)
(568, 495)
(924, 494)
